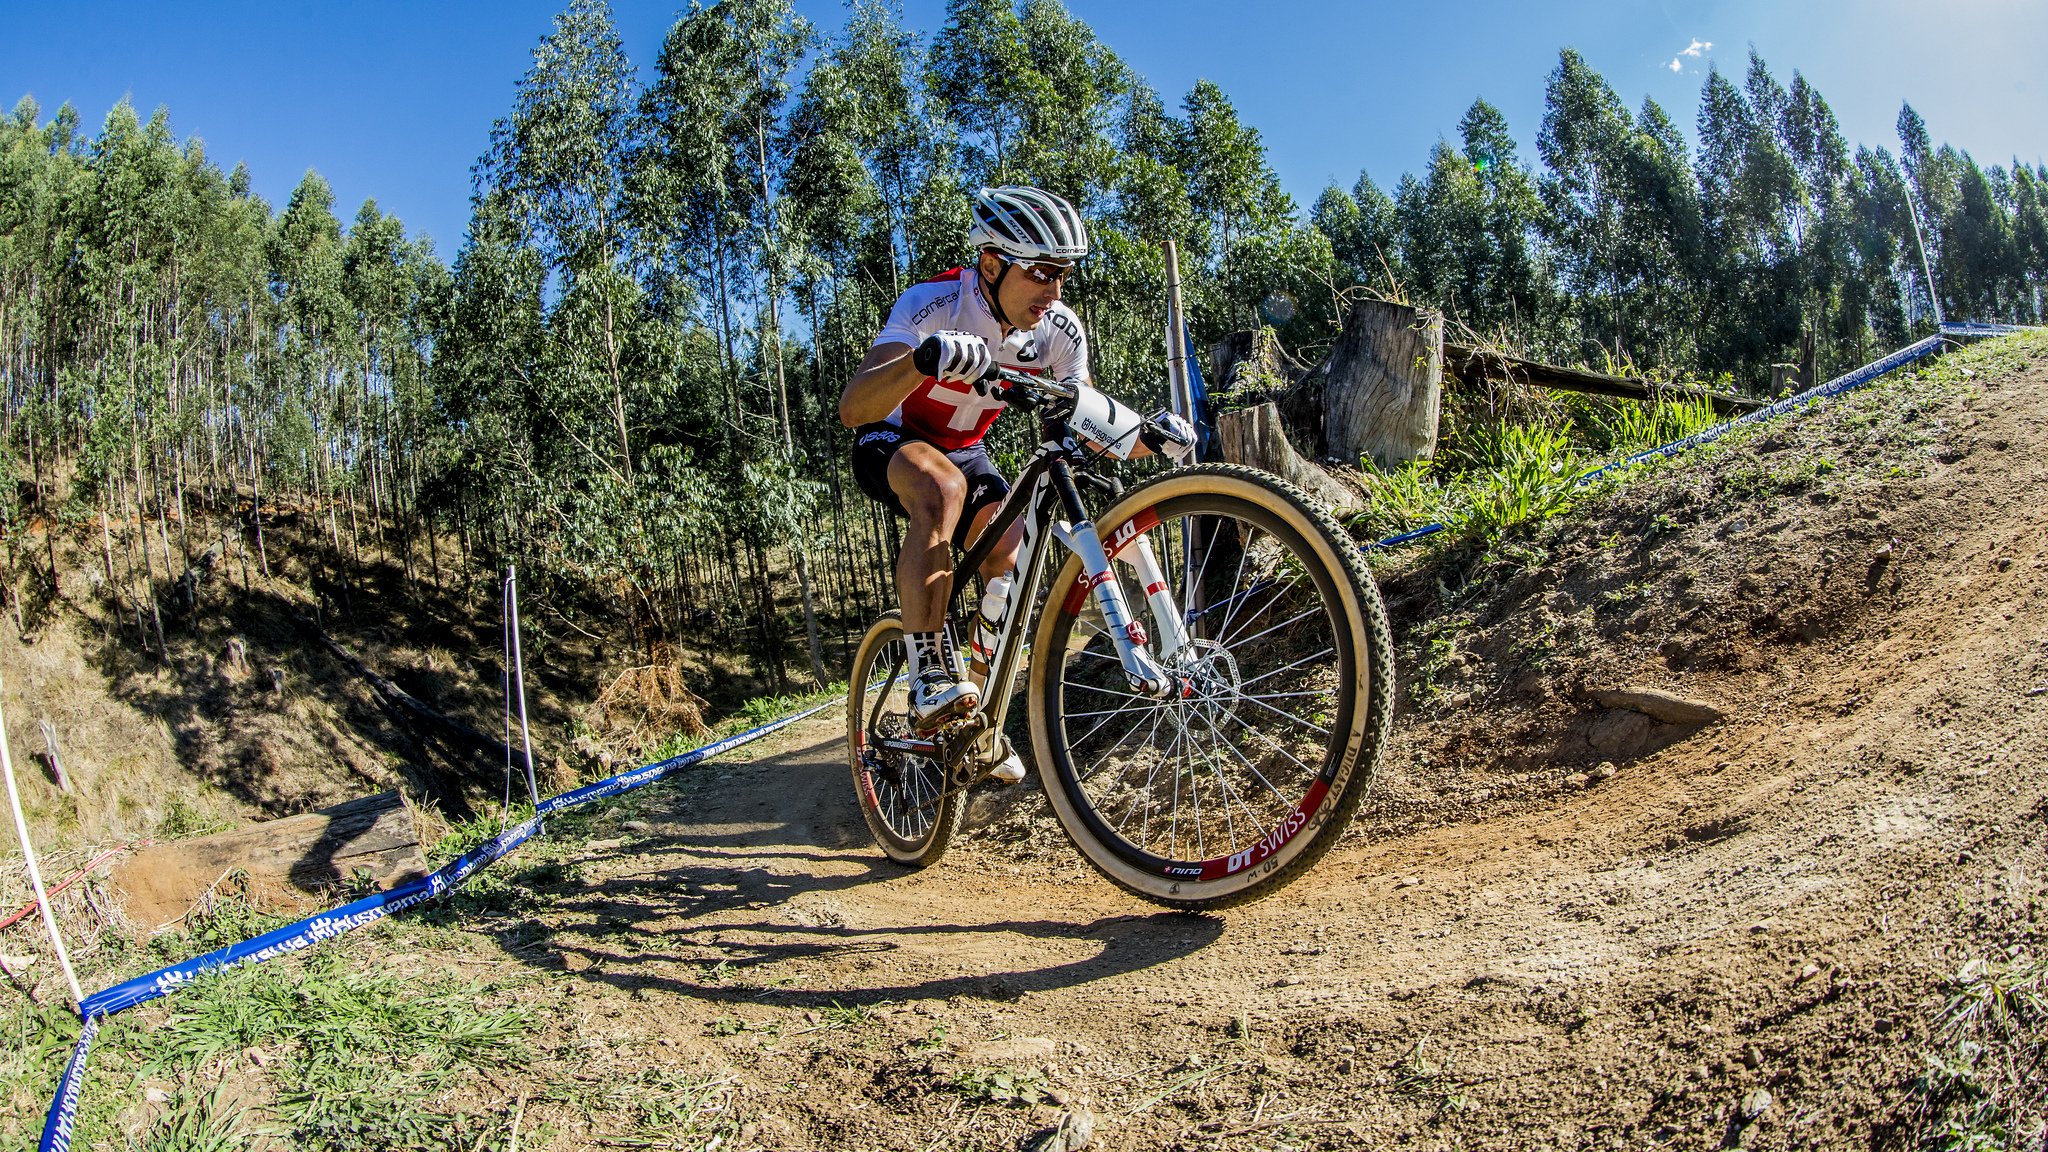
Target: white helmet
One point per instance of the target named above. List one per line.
(1028, 223)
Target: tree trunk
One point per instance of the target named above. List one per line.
(1381, 385)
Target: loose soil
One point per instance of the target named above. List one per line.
(1555, 925)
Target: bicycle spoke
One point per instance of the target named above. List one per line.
(1278, 712)
(1281, 588)
(1244, 553)
(1271, 743)
(1248, 765)
(1289, 667)
(1284, 623)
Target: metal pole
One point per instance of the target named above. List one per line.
(1926, 269)
(1180, 393)
(1181, 397)
(505, 667)
(519, 675)
(35, 874)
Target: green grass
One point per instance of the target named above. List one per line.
(1531, 476)
(196, 1121)
(1625, 429)
(1006, 1086)
(355, 1056)
(1982, 1087)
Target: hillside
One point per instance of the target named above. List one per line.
(1556, 925)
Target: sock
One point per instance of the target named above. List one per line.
(951, 654)
(927, 650)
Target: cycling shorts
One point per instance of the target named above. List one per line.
(874, 445)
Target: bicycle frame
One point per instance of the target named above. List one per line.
(1049, 502)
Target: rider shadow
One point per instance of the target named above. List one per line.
(750, 962)
(727, 922)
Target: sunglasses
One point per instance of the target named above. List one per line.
(1040, 274)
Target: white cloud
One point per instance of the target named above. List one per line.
(1696, 49)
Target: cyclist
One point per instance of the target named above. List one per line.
(918, 439)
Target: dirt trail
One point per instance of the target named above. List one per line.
(1772, 902)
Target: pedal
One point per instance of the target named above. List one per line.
(955, 741)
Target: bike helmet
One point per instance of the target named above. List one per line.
(1027, 223)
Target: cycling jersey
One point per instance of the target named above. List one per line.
(952, 415)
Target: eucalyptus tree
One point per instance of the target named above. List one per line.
(558, 164)
(1077, 85)
(1583, 135)
(1365, 236)
(1229, 180)
(1662, 253)
(1509, 289)
(979, 76)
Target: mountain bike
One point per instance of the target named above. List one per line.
(1211, 674)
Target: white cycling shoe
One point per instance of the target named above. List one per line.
(1010, 769)
(935, 697)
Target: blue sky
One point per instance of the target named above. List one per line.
(395, 101)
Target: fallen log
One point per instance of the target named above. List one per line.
(288, 865)
(1474, 366)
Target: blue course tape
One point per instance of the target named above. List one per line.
(63, 1115)
(310, 931)
(641, 777)
(1977, 328)
(64, 1109)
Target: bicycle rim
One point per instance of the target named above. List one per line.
(1251, 769)
(903, 797)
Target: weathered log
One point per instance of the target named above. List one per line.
(285, 865)
(1254, 437)
(1474, 366)
(1381, 385)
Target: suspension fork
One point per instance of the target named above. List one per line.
(1166, 615)
(1098, 579)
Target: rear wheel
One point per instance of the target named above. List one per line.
(1254, 764)
(903, 796)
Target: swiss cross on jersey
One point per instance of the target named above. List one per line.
(971, 411)
(953, 415)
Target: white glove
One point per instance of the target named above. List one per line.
(963, 357)
(1170, 435)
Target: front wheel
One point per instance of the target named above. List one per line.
(903, 796)
(1251, 768)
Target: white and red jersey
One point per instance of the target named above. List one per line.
(951, 415)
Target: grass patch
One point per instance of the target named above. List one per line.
(344, 1057)
(1016, 1087)
(1531, 476)
(1985, 1087)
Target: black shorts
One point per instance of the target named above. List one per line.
(874, 445)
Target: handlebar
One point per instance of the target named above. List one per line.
(1093, 414)
(925, 357)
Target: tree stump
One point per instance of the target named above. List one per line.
(1255, 437)
(1382, 384)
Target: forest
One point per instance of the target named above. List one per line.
(625, 379)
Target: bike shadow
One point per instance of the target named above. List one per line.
(756, 898)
